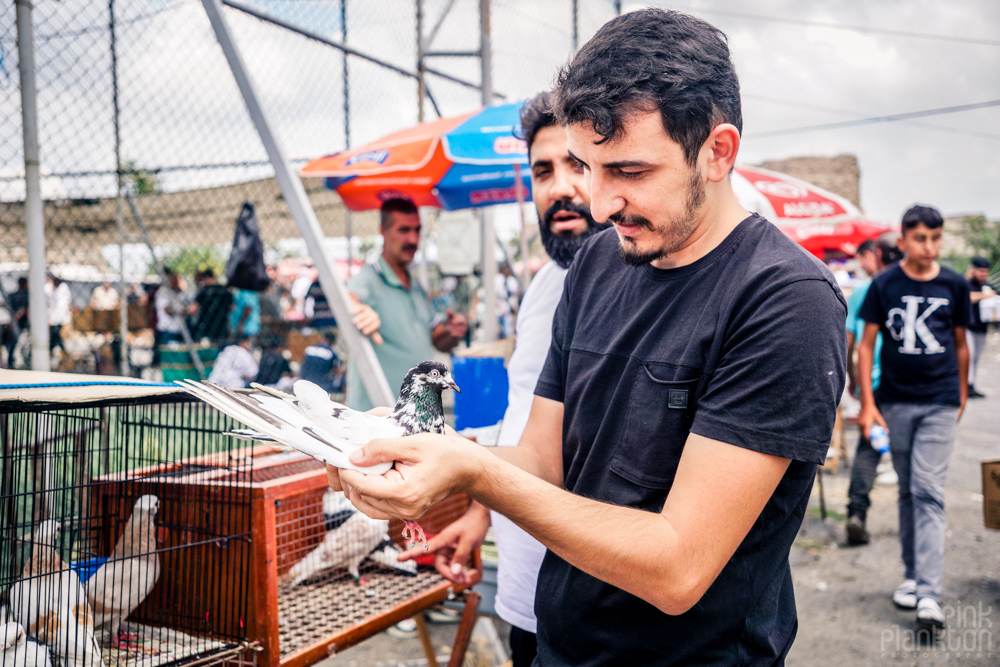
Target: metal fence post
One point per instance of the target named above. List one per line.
(302, 212)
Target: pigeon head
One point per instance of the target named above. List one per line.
(148, 504)
(419, 407)
(430, 375)
(47, 532)
(11, 635)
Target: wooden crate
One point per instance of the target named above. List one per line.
(256, 533)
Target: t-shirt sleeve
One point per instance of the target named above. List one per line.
(780, 375)
(871, 309)
(552, 382)
(361, 284)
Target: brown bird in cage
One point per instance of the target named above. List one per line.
(17, 651)
(313, 424)
(129, 574)
(50, 602)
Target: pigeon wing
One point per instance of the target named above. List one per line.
(280, 419)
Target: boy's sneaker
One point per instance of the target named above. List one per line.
(856, 533)
(929, 614)
(905, 596)
(442, 614)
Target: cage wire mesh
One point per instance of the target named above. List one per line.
(124, 532)
(137, 94)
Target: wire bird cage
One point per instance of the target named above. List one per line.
(206, 547)
(101, 526)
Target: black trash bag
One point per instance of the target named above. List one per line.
(245, 268)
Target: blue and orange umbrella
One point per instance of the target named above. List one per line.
(451, 163)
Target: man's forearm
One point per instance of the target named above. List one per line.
(649, 564)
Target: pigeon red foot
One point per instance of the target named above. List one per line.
(414, 534)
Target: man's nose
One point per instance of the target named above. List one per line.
(562, 187)
(605, 201)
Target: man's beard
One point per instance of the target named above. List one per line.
(563, 246)
(673, 235)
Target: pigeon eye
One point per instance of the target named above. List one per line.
(434, 374)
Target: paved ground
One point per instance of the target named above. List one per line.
(846, 618)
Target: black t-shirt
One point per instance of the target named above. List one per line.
(976, 323)
(917, 319)
(746, 346)
(214, 303)
(271, 368)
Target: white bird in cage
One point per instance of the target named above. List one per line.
(50, 602)
(350, 538)
(17, 651)
(313, 424)
(129, 574)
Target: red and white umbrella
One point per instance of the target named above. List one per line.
(788, 201)
(823, 223)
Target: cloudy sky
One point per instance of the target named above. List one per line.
(803, 65)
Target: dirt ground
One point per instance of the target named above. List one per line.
(846, 618)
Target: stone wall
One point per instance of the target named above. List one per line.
(840, 175)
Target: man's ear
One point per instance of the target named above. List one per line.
(719, 150)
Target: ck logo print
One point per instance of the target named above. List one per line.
(909, 324)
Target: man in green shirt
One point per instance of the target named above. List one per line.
(394, 309)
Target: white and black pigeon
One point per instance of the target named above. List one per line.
(51, 603)
(129, 574)
(17, 651)
(352, 538)
(311, 423)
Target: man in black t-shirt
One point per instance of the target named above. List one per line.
(921, 309)
(979, 272)
(689, 393)
(212, 305)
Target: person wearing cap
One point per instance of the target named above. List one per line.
(922, 310)
(979, 289)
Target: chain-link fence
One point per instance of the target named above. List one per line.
(147, 149)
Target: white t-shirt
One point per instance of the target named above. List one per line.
(164, 320)
(520, 554)
(59, 301)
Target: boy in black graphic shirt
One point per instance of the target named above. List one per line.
(922, 310)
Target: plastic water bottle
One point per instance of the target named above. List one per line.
(879, 438)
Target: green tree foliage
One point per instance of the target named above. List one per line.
(140, 181)
(187, 261)
(981, 237)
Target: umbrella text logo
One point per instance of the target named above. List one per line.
(378, 157)
(510, 146)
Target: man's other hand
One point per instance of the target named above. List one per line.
(454, 545)
(368, 322)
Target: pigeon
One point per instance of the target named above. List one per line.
(17, 651)
(347, 544)
(51, 603)
(129, 574)
(313, 424)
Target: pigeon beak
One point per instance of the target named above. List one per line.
(451, 383)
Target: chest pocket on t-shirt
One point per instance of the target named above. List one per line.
(660, 413)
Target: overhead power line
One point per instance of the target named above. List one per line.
(878, 119)
(844, 112)
(843, 26)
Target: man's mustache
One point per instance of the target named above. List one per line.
(630, 220)
(408, 248)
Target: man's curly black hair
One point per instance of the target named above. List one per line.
(536, 114)
(652, 59)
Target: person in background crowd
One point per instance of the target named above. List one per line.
(873, 256)
(922, 310)
(979, 289)
(322, 366)
(394, 309)
(168, 311)
(104, 297)
(274, 370)
(235, 365)
(58, 299)
(244, 316)
(211, 308)
(317, 308)
(562, 203)
(508, 293)
(690, 391)
(17, 305)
